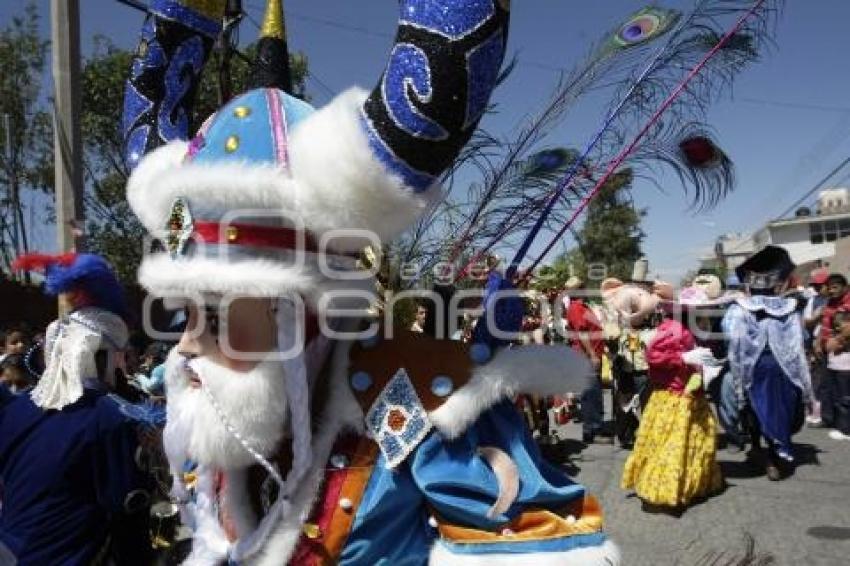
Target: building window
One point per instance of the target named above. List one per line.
(830, 230)
(844, 228)
(816, 232)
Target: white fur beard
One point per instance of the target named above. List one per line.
(253, 403)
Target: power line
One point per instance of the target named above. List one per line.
(319, 82)
(251, 18)
(328, 90)
(814, 189)
(798, 202)
(331, 23)
(134, 4)
(796, 105)
(337, 25)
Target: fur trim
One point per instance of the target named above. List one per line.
(144, 193)
(340, 182)
(341, 413)
(161, 275)
(539, 370)
(334, 182)
(606, 554)
(211, 190)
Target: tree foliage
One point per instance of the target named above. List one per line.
(609, 242)
(26, 162)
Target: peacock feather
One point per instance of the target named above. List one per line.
(645, 25)
(639, 62)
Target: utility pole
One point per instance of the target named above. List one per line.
(12, 187)
(19, 230)
(65, 35)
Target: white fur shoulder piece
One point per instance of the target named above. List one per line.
(540, 370)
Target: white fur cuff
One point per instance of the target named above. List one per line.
(539, 370)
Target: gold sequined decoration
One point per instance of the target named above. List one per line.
(232, 144)
(273, 24)
(175, 226)
(241, 111)
(312, 530)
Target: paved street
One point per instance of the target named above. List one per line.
(803, 520)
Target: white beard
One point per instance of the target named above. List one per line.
(254, 403)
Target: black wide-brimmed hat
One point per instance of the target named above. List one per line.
(766, 268)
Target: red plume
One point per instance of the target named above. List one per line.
(40, 262)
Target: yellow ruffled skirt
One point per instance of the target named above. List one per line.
(673, 461)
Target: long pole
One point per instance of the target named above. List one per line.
(13, 182)
(70, 216)
(4, 226)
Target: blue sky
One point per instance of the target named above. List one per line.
(786, 125)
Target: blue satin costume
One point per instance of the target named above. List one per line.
(451, 480)
(767, 359)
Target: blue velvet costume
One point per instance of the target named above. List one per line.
(70, 483)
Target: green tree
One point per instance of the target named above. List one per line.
(608, 243)
(26, 162)
(112, 229)
(566, 265)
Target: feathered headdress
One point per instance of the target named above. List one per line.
(89, 273)
(71, 342)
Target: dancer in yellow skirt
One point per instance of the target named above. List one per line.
(673, 461)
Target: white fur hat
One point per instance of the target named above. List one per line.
(272, 197)
(245, 206)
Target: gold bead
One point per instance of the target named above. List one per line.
(312, 530)
(241, 111)
(232, 233)
(232, 144)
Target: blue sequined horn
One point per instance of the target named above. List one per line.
(176, 41)
(442, 69)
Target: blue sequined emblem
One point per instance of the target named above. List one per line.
(397, 421)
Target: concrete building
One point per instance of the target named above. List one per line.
(812, 239)
(730, 251)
